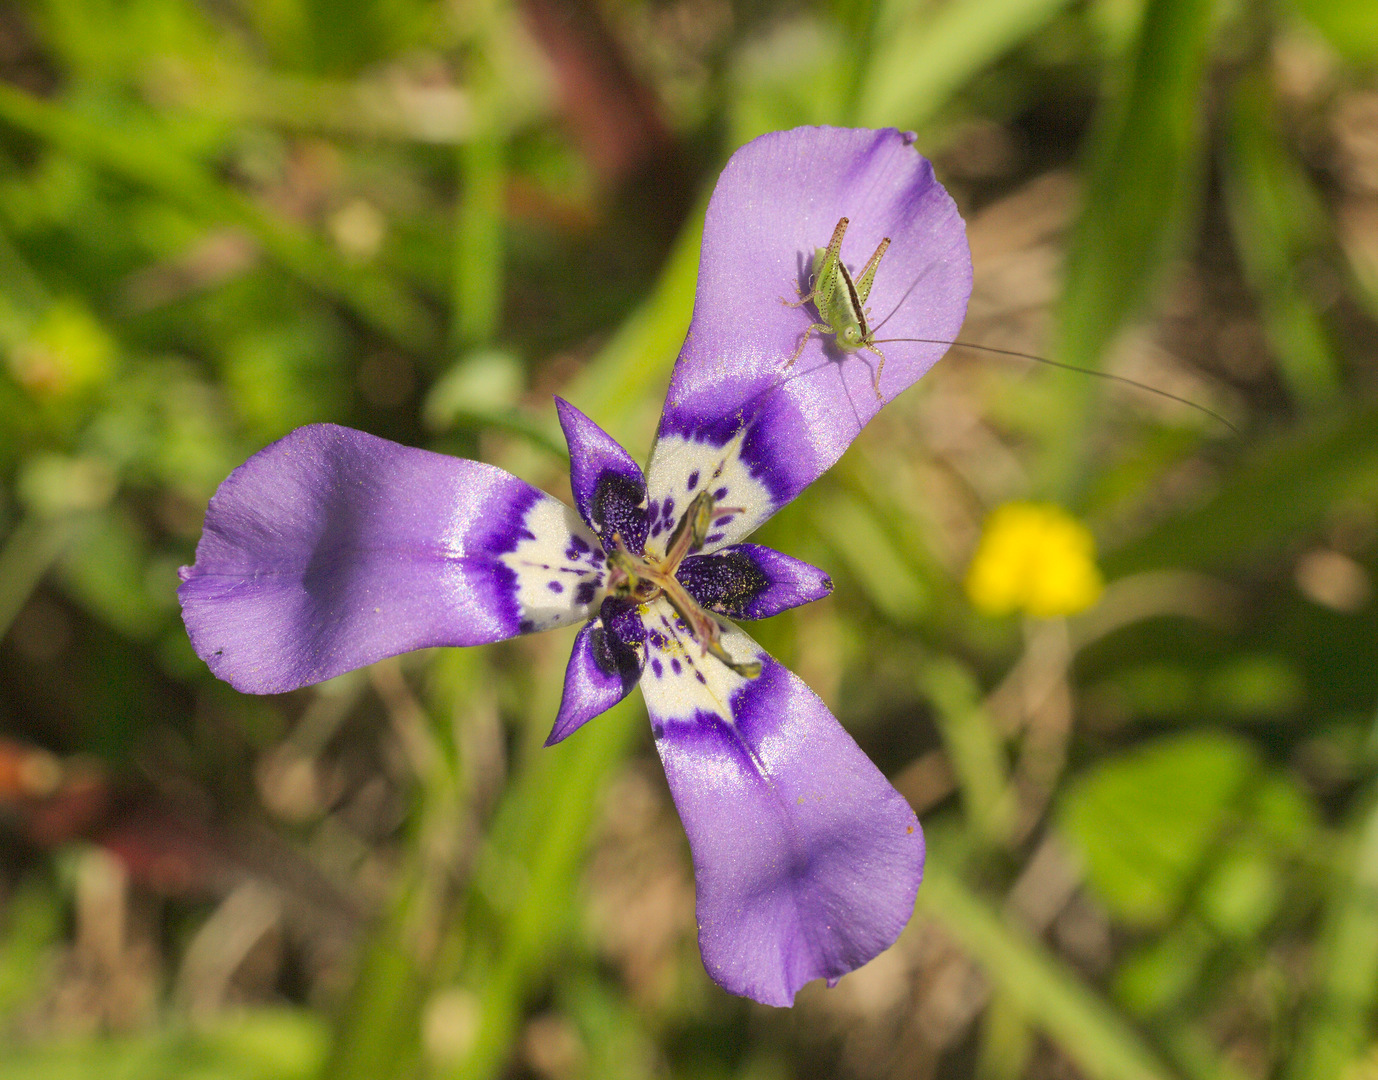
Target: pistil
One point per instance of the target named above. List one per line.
(644, 579)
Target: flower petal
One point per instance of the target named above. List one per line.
(606, 663)
(735, 404)
(681, 468)
(609, 490)
(331, 548)
(806, 860)
(748, 581)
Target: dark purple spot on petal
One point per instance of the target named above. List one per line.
(657, 667)
(699, 675)
(713, 538)
(621, 617)
(719, 522)
(720, 494)
(675, 665)
(579, 544)
(613, 654)
(616, 508)
(727, 582)
(693, 480)
(555, 586)
(586, 593)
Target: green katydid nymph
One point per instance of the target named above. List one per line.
(841, 301)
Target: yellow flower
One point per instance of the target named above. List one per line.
(1035, 558)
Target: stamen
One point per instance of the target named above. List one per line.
(645, 579)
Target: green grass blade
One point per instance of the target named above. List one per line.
(478, 248)
(915, 71)
(543, 826)
(380, 1035)
(1283, 489)
(1142, 181)
(261, 1044)
(1143, 172)
(623, 385)
(974, 746)
(1090, 1032)
(154, 165)
(1276, 218)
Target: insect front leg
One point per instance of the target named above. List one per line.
(814, 295)
(875, 381)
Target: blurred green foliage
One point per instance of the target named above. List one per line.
(1152, 826)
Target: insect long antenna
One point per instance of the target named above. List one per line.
(898, 304)
(1072, 367)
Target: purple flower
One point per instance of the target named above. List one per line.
(332, 548)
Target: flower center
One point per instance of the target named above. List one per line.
(643, 579)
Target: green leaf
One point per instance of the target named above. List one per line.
(1164, 969)
(1145, 822)
(1143, 173)
(105, 570)
(28, 552)
(478, 274)
(536, 844)
(1255, 686)
(1242, 894)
